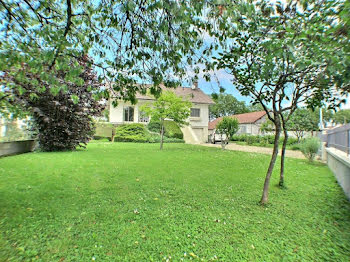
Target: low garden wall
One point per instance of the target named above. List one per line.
(339, 163)
(16, 147)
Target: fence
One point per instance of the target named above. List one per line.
(339, 138)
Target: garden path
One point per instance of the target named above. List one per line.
(257, 149)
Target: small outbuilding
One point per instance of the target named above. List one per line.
(249, 123)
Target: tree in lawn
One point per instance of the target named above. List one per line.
(302, 121)
(227, 127)
(226, 105)
(168, 106)
(281, 56)
(128, 40)
(62, 114)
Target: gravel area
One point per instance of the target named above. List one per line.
(257, 149)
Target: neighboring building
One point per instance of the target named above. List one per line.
(195, 132)
(249, 123)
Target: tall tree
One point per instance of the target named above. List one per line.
(342, 116)
(63, 118)
(168, 106)
(281, 55)
(226, 105)
(302, 121)
(227, 127)
(128, 40)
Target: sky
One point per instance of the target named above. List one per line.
(226, 81)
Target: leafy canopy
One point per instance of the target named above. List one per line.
(168, 106)
(63, 119)
(303, 120)
(228, 126)
(282, 54)
(129, 41)
(226, 105)
(342, 116)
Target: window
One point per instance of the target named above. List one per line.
(129, 114)
(195, 112)
(143, 118)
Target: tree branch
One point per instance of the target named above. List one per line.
(68, 26)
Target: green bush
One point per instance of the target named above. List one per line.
(99, 137)
(131, 133)
(139, 134)
(264, 141)
(309, 147)
(270, 139)
(154, 126)
(251, 140)
(171, 129)
(173, 140)
(155, 138)
(292, 141)
(132, 138)
(242, 138)
(296, 147)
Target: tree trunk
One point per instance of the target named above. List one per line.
(113, 134)
(161, 135)
(281, 183)
(265, 195)
(223, 143)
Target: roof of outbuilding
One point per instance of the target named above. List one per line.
(246, 118)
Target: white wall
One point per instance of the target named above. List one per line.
(198, 124)
(116, 114)
(339, 163)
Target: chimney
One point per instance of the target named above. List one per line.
(195, 85)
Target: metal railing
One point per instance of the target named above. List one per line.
(339, 138)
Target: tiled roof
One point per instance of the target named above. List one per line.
(247, 118)
(193, 95)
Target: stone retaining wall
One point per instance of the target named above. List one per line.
(16, 147)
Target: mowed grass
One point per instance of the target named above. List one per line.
(132, 202)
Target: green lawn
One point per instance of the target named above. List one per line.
(131, 202)
(288, 147)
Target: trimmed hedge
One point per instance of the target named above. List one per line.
(155, 138)
(262, 140)
(139, 134)
(171, 129)
(154, 126)
(131, 133)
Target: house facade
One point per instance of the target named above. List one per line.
(249, 123)
(195, 132)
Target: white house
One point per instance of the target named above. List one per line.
(195, 132)
(249, 123)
